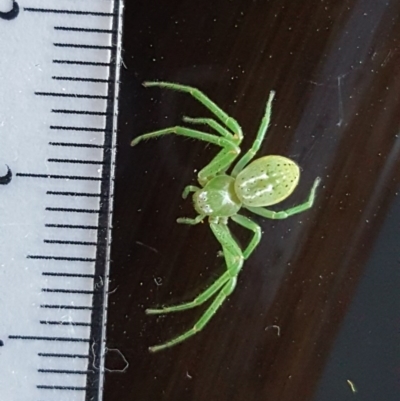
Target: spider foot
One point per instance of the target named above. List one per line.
(155, 311)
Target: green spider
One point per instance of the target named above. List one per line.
(264, 182)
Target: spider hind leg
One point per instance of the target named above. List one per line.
(226, 290)
(223, 287)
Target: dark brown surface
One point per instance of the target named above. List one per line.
(329, 278)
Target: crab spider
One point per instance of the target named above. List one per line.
(253, 186)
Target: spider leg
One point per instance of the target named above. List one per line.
(200, 299)
(204, 319)
(191, 133)
(233, 254)
(225, 285)
(221, 162)
(234, 263)
(188, 220)
(214, 125)
(259, 138)
(231, 123)
(288, 212)
(188, 189)
(250, 225)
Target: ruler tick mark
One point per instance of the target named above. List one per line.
(71, 128)
(61, 242)
(74, 12)
(68, 372)
(61, 323)
(73, 226)
(72, 275)
(52, 355)
(81, 46)
(78, 145)
(74, 95)
(80, 62)
(74, 194)
(60, 177)
(63, 258)
(77, 161)
(96, 80)
(87, 30)
(39, 338)
(72, 210)
(70, 388)
(69, 307)
(65, 291)
(84, 112)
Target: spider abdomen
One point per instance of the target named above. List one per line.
(218, 198)
(267, 181)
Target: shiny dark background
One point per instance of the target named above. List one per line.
(328, 278)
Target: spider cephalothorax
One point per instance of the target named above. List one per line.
(264, 182)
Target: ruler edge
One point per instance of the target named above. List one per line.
(97, 352)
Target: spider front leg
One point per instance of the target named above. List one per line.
(191, 133)
(220, 163)
(231, 123)
(214, 125)
(259, 138)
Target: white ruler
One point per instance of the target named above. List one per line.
(59, 67)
